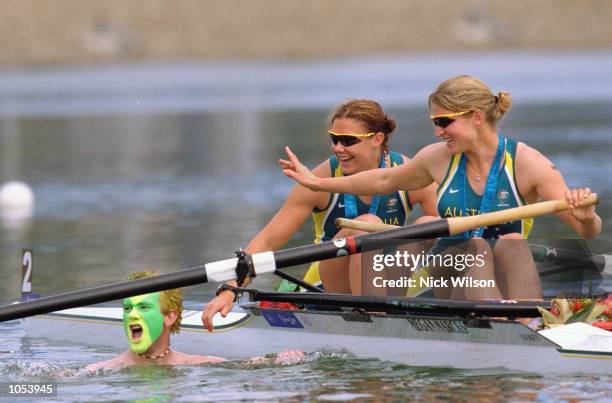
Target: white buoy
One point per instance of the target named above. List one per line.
(16, 202)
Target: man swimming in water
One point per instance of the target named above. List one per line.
(149, 320)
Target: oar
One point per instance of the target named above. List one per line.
(457, 225)
(564, 259)
(268, 262)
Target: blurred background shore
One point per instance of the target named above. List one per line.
(60, 32)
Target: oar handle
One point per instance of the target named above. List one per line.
(457, 225)
(362, 225)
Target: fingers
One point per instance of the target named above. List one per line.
(290, 153)
(207, 319)
(290, 173)
(225, 310)
(285, 164)
(574, 198)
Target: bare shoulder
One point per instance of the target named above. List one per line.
(194, 359)
(436, 151)
(120, 361)
(434, 158)
(534, 170)
(528, 158)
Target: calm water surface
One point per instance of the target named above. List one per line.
(122, 192)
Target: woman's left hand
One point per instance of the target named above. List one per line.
(574, 197)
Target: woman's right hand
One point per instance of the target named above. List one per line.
(298, 172)
(222, 303)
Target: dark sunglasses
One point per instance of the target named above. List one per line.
(444, 121)
(347, 139)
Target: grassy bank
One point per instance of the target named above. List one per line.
(41, 32)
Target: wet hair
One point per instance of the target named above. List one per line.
(368, 112)
(169, 300)
(463, 93)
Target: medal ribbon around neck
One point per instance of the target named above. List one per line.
(350, 201)
(490, 188)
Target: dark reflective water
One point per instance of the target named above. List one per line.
(122, 192)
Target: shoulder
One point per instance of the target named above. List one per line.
(527, 157)
(434, 158)
(189, 359)
(439, 151)
(120, 361)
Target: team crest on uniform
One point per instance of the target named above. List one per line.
(392, 205)
(502, 198)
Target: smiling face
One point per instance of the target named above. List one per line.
(460, 135)
(358, 157)
(143, 321)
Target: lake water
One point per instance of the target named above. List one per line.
(168, 167)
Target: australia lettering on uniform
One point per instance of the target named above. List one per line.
(455, 212)
(391, 221)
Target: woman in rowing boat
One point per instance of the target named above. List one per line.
(359, 132)
(477, 171)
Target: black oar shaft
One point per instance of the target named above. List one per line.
(198, 275)
(363, 243)
(105, 293)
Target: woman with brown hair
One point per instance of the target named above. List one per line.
(477, 171)
(359, 132)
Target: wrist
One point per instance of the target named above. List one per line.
(229, 290)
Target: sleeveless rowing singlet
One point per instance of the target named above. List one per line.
(392, 209)
(506, 196)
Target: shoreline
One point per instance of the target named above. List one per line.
(71, 32)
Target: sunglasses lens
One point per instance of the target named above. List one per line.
(346, 141)
(442, 122)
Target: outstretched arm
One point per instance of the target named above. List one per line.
(408, 176)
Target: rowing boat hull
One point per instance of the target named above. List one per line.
(408, 339)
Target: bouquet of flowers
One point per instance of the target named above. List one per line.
(565, 311)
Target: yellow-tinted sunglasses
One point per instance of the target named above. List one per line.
(445, 120)
(348, 139)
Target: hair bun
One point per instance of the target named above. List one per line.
(504, 101)
(390, 124)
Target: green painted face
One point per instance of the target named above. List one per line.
(143, 321)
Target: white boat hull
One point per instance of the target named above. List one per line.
(408, 339)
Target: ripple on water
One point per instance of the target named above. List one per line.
(323, 375)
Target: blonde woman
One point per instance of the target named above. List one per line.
(477, 170)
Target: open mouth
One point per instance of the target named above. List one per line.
(345, 158)
(135, 332)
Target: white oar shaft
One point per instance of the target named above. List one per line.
(458, 225)
(362, 225)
